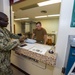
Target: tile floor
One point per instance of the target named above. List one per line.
(16, 71)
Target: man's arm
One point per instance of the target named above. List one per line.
(6, 45)
(45, 38)
(15, 36)
(12, 35)
(33, 36)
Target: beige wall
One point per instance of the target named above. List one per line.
(17, 27)
(50, 24)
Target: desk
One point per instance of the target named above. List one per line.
(47, 58)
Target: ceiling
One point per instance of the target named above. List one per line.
(29, 8)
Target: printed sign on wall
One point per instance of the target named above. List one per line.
(73, 16)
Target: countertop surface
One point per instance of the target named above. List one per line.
(38, 52)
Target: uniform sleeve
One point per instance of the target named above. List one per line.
(6, 45)
(15, 36)
(45, 33)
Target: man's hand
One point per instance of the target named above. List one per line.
(22, 38)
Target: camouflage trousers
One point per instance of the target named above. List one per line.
(6, 73)
(5, 66)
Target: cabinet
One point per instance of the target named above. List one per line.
(51, 40)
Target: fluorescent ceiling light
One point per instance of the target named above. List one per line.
(54, 15)
(48, 2)
(40, 16)
(21, 18)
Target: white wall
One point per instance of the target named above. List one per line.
(64, 31)
(1, 5)
(5, 7)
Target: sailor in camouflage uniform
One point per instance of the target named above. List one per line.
(6, 45)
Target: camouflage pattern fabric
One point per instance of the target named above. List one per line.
(6, 45)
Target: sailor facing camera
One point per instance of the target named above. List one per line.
(6, 45)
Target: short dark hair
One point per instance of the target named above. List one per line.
(38, 23)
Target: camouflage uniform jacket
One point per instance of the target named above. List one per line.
(5, 50)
